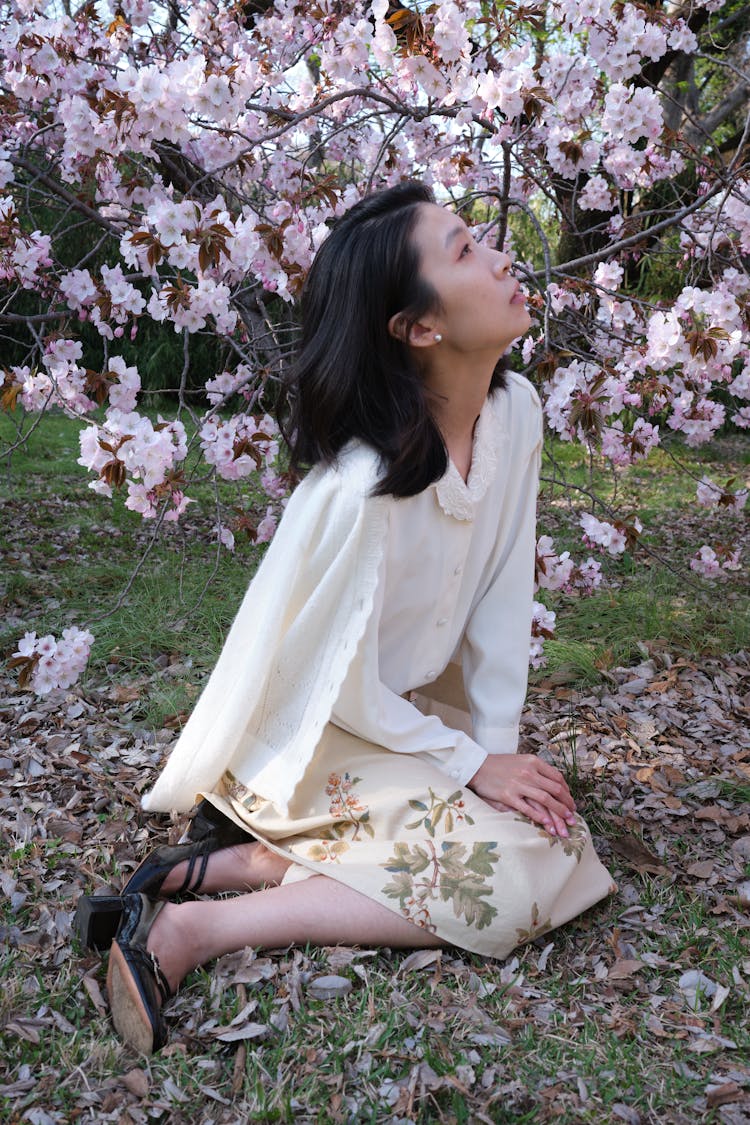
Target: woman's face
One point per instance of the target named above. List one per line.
(483, 307)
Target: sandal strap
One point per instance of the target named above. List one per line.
(149, 963)
(161, 981)
(201, 855)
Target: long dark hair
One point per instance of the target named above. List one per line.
(352, 378)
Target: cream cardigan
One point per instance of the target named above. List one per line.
(307, 626)
(285, 657)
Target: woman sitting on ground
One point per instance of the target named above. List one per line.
(356, 745)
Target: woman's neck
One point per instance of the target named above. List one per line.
(456, 399)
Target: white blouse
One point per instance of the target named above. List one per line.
(455, 582)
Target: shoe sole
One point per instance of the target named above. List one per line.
(129, 1013)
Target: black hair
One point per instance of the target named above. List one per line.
(352, 378)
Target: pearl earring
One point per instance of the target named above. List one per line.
(437, 338)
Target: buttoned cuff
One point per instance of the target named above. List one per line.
(497, 740)
(465, 760)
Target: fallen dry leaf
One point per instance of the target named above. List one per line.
(246, 1031)
(92, 987)
(329, 987)
(704, 869)
(637, 854)
(419, 959)
(136, 1081)
(621, 970)
(723, 1094)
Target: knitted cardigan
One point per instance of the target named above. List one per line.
(285, 658)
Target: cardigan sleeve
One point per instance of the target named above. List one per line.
(495, 653)
(370, 709)
(264, 707)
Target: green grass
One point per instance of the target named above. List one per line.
(80, 550)
(575, 1048)
(649, 608)
(651, 599)
(69, 557)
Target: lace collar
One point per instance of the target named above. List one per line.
(458, 498)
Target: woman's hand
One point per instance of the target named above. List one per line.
(529, 785)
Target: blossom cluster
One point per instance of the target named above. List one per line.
(559, 572)
(209, 158)
(611, 538)
(129, 449)
(710, 562)
(47, 663)
(710, 495)
(542, 629)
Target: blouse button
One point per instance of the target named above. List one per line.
(430, 675)
(458, 570)
(442, 621)
(455, 773)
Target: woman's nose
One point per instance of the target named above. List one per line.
(502, 263)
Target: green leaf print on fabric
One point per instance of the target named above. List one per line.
(576, 841)
(415, 859)
(573, 844)
(452, 808)
(323, 851)
(449, 874)
(346, 806)
(536, 928)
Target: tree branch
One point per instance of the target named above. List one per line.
(56, 188)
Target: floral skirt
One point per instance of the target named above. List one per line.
(395, 828)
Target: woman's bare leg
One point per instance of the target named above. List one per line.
(318, 910)
(241, 867)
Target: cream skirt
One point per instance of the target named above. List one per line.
(395, 828)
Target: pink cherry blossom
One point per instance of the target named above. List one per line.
(542, 622)
(706, 563)
(596, 195)
(601, 533)
(267, 526)
(54, 663)
(203, 157)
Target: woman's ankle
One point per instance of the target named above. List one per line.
(238, 867)
(172, 946)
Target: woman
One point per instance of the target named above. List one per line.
(364, 786)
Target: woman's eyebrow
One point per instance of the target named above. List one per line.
(454, 233)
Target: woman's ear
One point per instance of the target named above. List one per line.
(398, 326)
(417, 335)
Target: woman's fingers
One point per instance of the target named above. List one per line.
(550, 781)
(554, 782)
(555, 824)
(538, 813)
(517, 780)
(542, 797)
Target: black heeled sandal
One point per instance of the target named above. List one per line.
(136, 985)
(98, 916)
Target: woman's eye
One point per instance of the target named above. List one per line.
(465, 250)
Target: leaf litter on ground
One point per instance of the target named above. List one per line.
(659, 756)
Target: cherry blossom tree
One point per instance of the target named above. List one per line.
(174, 168)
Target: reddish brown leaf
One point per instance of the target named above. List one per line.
(722, 1095)
(636, 853)
(621, 970)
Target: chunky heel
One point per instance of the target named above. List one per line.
(96, 919)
